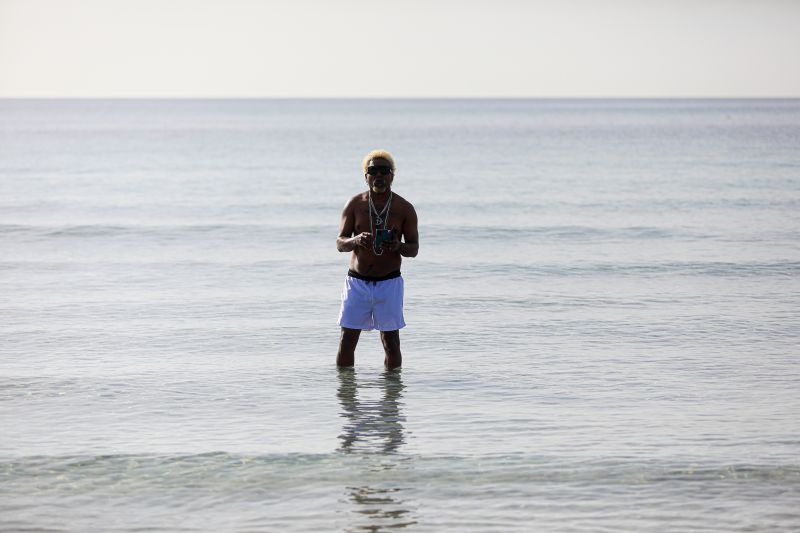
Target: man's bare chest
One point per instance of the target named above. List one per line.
(394, 220)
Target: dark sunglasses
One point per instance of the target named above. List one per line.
(379, 170)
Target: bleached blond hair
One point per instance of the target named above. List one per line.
(377, 154)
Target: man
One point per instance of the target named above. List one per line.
(380, 228)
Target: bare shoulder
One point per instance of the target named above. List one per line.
(355, 201)
(401, 204)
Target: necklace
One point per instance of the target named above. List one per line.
(373, 209)
(378, 219)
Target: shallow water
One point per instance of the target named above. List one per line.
(602, 333)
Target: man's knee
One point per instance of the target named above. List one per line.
(391, 339)
(350, 336)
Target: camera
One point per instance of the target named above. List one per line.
(382, 235)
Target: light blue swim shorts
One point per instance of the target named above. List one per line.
(372, 303)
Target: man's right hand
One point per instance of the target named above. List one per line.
(364, 240)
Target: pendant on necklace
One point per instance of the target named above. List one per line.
(378, 221)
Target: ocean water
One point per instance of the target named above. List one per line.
(602, 334)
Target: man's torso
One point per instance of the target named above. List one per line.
(364, 260)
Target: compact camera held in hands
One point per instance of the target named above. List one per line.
(383, 235)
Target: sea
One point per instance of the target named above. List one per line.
(603, 318)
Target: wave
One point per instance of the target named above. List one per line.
(671, 268)
(223, 468)
(112, 230)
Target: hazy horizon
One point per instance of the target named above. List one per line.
(390, 98)
(572, 49)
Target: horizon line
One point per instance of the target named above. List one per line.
(400, 97)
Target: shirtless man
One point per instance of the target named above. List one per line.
(372, 297)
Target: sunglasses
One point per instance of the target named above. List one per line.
(379, 170)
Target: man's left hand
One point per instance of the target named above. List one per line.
(392, 245)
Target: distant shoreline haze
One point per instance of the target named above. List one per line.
(414, 49)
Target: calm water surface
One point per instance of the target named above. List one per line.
(603, 329)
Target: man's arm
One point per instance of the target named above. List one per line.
(345, 242)
(410, 245)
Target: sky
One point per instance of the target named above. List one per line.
(400, 48)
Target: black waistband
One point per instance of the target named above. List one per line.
(390, 275)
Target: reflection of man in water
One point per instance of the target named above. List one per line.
(372, 425)
(379, 228)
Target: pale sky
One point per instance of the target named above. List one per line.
(402, 48)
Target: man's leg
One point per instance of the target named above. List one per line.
(391, 345)
(347, 347)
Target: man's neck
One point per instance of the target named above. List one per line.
(380, 197)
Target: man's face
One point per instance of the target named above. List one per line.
(379, 175)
